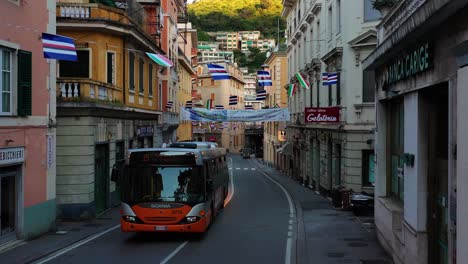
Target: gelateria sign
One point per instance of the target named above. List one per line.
(411, 63)
(322, 114)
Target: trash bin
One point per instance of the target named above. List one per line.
(336, 196)
(345, 195)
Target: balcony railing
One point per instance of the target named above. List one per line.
(70, 89)
(399, 14)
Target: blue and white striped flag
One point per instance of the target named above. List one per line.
(219, 107)
(233, 100)
(329, 78)
(248, 107)
(218, 72)
(264, 78)
(169, 104)
(58, 47)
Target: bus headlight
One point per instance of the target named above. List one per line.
(191, 219)
(129, 218)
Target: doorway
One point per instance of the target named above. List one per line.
(8, 204)
(438, 124)
(101, 181)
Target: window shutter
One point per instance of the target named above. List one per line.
(24, 83)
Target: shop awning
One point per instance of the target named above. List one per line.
(160, 59)
(286, 149)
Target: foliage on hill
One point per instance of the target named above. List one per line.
(237, 15)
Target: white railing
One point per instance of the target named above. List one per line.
(75, 11)
(69, 89)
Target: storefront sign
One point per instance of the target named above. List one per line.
(322, 114)
(412, 62)
(198, 130)
(281, 135)
(146, 131)
(212, 115)
(11, 155)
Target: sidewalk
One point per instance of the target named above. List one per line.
(67, 234)
(327, 235)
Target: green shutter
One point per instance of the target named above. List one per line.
(24, 83)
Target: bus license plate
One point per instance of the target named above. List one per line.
(160, 228)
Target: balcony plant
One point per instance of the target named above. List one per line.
(383, 6)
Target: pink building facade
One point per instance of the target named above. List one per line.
(27, 120)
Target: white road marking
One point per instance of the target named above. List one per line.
(75, 245)
(237, 168)
(173, 253)
(253, 168)
(246, 168)
(292, 213)
(291, 221)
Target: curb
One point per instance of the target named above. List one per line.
(300, 246)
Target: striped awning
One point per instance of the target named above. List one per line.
(160, 59)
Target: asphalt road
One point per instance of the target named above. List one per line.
(253, 228)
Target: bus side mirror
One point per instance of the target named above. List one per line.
(209, 185)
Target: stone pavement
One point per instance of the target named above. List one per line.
(327, 235)
(67, 234)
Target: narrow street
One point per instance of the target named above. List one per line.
(253, 228)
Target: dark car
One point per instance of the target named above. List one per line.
(245, 153)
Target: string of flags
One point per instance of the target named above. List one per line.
(261, 95)
(218, 72)
(264, 78)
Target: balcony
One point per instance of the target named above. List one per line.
(87, 90)
(399, 14)
(169, 120)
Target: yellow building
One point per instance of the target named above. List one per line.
(277, 97)
(108, 102)
(230, 134)
(184, 94)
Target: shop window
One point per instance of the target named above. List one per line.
(76, 69)
(396, 149)
(368, 168)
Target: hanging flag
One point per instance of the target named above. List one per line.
(303, 81)
(58, 47)
(219, 107)
(332, 78)
(276, 106)
(218, 72)
(194, 123)
(264, 78)
(233, 100)
(209, 103)
(248, 107)
(292, 89)
(325, 78)
(169, 104)
(261, 95)
(160, 59)
(188, 104)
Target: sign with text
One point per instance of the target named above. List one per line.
(145, 131)
(322, 114)
(11, 155)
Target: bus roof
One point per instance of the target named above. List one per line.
(200, 154)
(193, 145)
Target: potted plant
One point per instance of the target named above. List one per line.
(383, 6)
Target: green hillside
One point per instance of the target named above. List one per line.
(237, 15)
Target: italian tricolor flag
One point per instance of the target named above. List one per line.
(302, 81)
(291, 89)
(209, 103)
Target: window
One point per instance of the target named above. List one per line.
(24, 83)
(141, 70)
(110, 67)
(131, 70)
(397, 149)
(370, 14)
(77, 69)
(150, 79)
(338, 16)
(5, 81)
(330, 21)
(368, 168)
(368, 91)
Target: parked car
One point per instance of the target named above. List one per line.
(245, 153)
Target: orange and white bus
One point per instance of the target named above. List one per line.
(172, 189)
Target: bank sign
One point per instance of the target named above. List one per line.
(322, 114)
(412, 62)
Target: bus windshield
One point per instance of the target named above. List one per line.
(150, 183)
